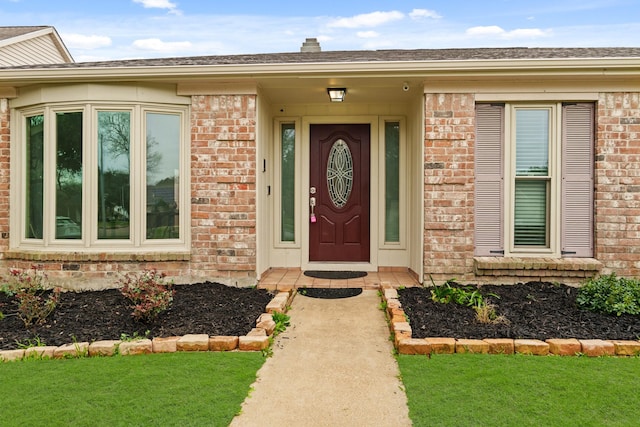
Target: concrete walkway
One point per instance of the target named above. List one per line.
(332, 367)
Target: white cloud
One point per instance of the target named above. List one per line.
(156, 4)
(526, 33)
(158, 45)
(159, 4)
(367, 34)
(81, 41)
(424, 13)
(492, 30)
(496, 31)
(372, 19)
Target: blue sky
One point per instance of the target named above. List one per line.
(96, 30)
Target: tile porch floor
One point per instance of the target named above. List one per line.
(284, 279)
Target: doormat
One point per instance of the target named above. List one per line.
(335, 275)
(330, 293)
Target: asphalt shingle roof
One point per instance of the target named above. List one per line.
(10, 32)
(366, 56)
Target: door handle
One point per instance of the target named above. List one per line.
(312, 205)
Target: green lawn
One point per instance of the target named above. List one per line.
(174, 389)
(493, 390)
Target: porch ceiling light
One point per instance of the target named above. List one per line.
(336, 94)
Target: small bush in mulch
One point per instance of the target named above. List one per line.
(149, 292)
(534, 310)
(610, 294)
(29, 288)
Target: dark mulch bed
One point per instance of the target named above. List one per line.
(534, 311)
(203, 308)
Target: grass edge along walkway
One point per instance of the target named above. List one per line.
(480, 390)
(196, 388)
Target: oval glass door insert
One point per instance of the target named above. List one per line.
(339, 173)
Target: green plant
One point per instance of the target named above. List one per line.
(268, 351)
(29, 343)
(463, 295)
(469, 296)
(81, 351)
(149, 292)
(610, 294)
(35, 301)
(282, 320)
(135, 336)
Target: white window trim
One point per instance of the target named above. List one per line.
(403, 183)
(90, 243)
(277, 180)
(555, 173)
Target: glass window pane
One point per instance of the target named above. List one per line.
(532, 142)
(69, 175)
(392, 182)
(114, 134)
(163, 173)
(531, 212)
(288, 185)
(35, 173)
(339, 173)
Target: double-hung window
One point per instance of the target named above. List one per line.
(534, 180)
(97, 176)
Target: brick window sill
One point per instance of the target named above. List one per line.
(513, 266)
(61, 256)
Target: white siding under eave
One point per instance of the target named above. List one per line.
(39, 50)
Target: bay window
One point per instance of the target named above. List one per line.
(95, 176)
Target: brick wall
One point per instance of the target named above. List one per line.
(617, 178)
(448, 186)
(223, 186)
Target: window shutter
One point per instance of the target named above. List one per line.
(489, 186)
(577, 180)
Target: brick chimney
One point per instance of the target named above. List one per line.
(310, 45)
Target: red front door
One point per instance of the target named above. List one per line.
(339, 182)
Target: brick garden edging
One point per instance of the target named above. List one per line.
(405, 344)
(256, 340)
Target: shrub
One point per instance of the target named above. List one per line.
(149, 292)
(610, 294)
(35, 301)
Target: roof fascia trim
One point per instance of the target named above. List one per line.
(601, 66)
